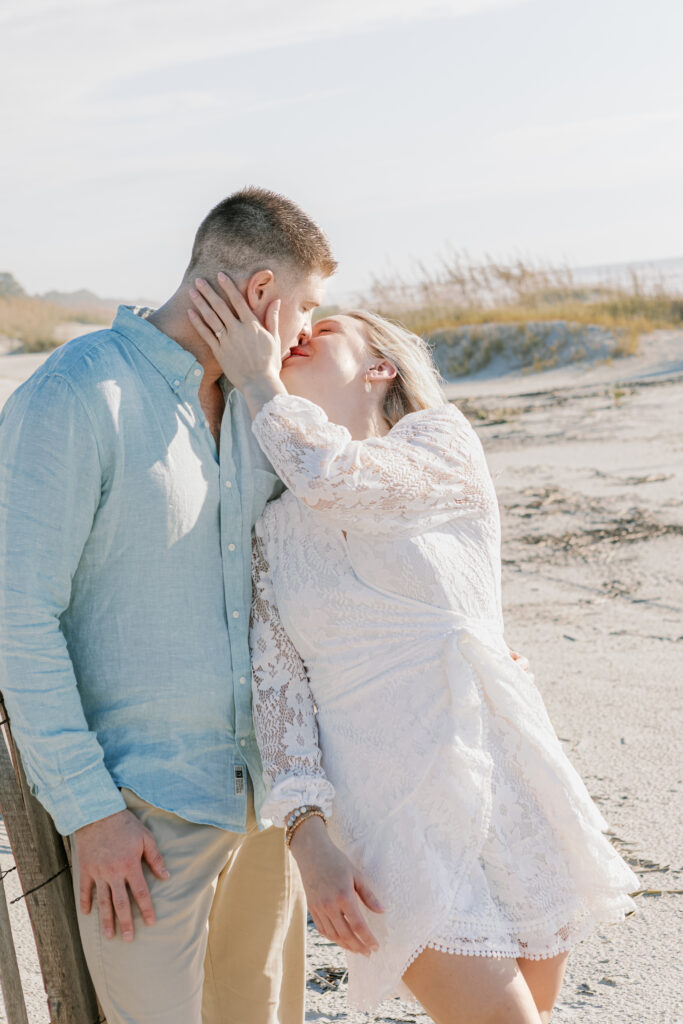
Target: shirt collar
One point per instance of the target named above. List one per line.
(171, 360)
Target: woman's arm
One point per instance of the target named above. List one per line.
(287, 736)
(427, 470)
(283, 711)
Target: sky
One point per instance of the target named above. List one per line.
(551, 129)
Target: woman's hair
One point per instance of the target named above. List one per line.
(417, 384)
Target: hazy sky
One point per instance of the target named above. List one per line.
(551, 128)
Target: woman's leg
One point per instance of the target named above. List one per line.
(471, 989)
(544, 978)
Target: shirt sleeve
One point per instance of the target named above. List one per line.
(50, 488)
(428, 469)
(283, 709)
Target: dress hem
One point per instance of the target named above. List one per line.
(563, 945)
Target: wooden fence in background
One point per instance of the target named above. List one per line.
(42, 860)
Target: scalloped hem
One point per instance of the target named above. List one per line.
(580, 930)
(521, 951)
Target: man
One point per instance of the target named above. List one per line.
(129, 484)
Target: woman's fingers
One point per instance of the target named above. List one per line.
(204, 332)
(331, 923)
(225, 311)
(324, 925)
(318, 923)
(273, 319)
(354, 919)
(520, 659)
(208, 315)
(368, 897)
(348, 937)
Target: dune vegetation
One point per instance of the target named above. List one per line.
(34, 323)
(474, 312)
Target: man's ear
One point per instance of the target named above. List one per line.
(383, 370)
(258, 287)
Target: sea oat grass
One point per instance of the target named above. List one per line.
(458, 293)
(456, 306)
(32, 321)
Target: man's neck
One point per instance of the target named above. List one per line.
(171, 319)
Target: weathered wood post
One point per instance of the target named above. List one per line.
(42, 860)
(10, 979)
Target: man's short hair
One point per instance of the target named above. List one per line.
(254, 229)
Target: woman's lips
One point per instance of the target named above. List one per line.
(296, 351)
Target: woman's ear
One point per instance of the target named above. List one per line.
(383, 370)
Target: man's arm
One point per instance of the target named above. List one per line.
(50, 484)
(50, 488)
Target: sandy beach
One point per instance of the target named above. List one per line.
(588, 464)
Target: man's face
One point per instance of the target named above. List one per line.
(299, 296)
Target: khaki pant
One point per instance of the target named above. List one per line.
(248, 967)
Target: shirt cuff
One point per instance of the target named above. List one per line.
(81, 799)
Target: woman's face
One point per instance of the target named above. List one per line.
(333, 361)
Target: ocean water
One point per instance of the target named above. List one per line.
(652, 275)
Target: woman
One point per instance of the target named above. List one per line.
(442, 835)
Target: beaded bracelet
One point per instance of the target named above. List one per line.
(299, 818)
(298, 811)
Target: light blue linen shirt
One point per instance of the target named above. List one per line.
(125, 584)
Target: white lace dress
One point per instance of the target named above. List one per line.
(383, 690)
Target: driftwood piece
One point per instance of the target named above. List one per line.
(10, 979)
(43, 865)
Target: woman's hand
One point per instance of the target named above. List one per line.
(521, 660)
(248, 352)
(333, 889)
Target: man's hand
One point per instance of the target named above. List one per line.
(333, 889)
(110, 855)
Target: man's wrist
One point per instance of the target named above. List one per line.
(93, 826)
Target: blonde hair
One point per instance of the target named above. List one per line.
(417, 384)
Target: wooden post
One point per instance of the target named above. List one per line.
(44, 870)
(10, 979)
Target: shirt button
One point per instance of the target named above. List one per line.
(235, 615)
(231, 547)
(243, 680)
(176, 383)
(243, 743)
(197, 372)
(228, 483)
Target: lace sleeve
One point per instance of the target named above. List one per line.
(428, 469)
(284, 717)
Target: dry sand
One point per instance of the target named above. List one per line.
(588, 465)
